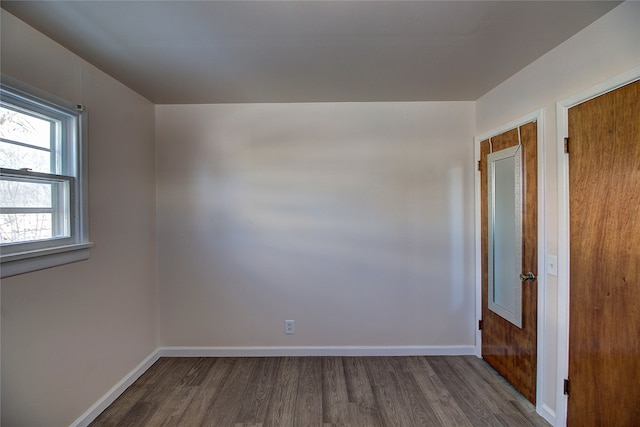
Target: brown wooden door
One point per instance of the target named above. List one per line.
(604, 308)
(511, 350)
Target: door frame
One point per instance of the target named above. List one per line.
(562, 131)
(538, 117)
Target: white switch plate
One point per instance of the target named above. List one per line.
(552, 265)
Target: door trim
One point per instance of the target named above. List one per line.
(538, 117)
(562, 131)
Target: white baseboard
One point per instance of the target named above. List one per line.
(548, 414)
(461, 350)
(106, 400)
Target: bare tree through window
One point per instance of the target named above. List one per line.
(26, 142)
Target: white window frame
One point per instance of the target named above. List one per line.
(24, 257)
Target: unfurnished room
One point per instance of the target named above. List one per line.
(320, 213)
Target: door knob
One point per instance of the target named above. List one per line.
(529, 276)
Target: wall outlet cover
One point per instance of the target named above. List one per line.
(289, 327)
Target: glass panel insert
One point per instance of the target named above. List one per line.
(19, 157)
(505, 233)
(20, 194)
(34, 208)
(25, 128)
(25, 227)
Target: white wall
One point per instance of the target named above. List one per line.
(70, 333)
(609, 46)
(355, 220)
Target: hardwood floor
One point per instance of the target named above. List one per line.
(321, 391)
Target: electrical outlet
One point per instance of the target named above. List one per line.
(289, 327)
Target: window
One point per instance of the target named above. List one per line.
(43, 200)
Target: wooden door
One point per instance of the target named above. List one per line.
(604, 308)
(511, 350)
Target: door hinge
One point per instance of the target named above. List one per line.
(480, 325)
(479, 165)
(566, 145)
(566, 387)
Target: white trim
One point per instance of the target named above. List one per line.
(478, 246)
(562, 119)
(538, 117)
(547, 413)
(531, 117)
(541, 408)
(24, 262)
(106, 400)
(455, 350)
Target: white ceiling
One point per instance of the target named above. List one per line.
(189, 52)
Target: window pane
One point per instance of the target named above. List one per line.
(25, 227)
(43, 206)
(19, 157)
(25, 128)
(16, 194)
(34, 210)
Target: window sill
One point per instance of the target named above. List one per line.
(25, 262)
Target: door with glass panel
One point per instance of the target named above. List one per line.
(508, 170)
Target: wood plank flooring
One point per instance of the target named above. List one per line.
(321, 391)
